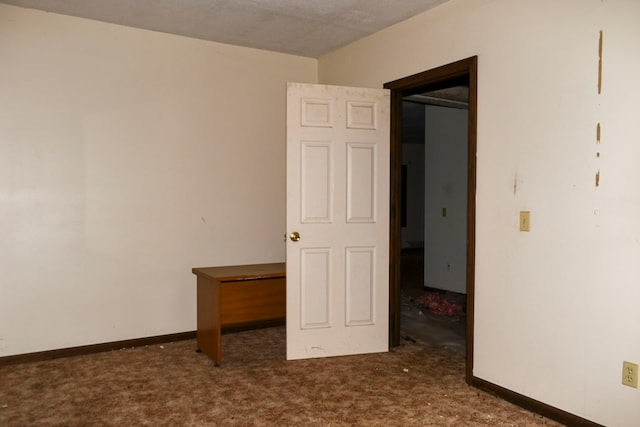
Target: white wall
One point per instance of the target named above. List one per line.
(445, 235)
(556, 308)
(127, 157)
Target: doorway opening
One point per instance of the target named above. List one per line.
(434, 217)
(458, 74)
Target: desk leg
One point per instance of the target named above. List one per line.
(208, 322)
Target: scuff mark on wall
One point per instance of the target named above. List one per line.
(515, 184)
(598, 133)
(599, 125)
(210, 227)
(600, 63)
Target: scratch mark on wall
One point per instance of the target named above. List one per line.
(210, 227)
(598, 125)
(515, 184)
(600, 63)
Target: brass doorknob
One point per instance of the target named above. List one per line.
(295, 236)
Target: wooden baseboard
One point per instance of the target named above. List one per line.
(94, 348)
(117, 345)
(532, 405)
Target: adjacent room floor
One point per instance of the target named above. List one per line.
(444, 325)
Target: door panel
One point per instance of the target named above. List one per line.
(361, 180)
(316, 184)
(338, 202)
(315, 282)
(360, 286)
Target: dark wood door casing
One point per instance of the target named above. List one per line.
(460, 73)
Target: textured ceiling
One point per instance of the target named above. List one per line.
(300, 27)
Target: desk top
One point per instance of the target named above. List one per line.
(242, 272)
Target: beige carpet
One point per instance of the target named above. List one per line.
(412, 385)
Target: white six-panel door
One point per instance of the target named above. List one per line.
(338, 204)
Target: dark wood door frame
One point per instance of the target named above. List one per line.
(464, 72)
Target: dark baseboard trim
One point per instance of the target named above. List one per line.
(42, 356)
(532, 405)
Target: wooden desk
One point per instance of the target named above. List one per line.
(237, 296)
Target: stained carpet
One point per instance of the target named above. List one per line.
(412, 385)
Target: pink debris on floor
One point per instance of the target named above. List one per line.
(437, 303)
